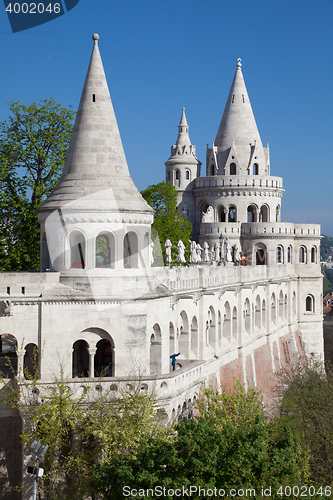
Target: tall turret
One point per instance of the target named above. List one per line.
(238, 187)
(95, 217)
(237, 149)
(182, 168)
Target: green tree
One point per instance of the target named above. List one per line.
(327, 285)
(79, 428)
(239, 448)
(307, 408)
(168, 222)
(33, 147)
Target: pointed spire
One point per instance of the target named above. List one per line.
(183, 138)
(96, 170)
(238, 122)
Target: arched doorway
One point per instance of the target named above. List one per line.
(8, 355)
(131, 250)
(31, 362)
(80, 359)
(77, 242)
(156, 351)
(104, 359)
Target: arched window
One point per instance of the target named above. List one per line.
(177, 178)
(221, 213)
(103, 251)
(251, 213)
(302, 254)
(247, 316)
(232, 215)
(130, 250)
(263, 215)
(278, 213)
(156, 351)
(183, 343)
(80, 359)
(313, 254)
(232, 168)
(289, 253)
(211, 327)
(263, 313)
(77, 242)
(187, 175)
(273, 308)
(212, 170)
(172, 347)
(309, 303)
(227, 322)
(104, 359)
(234, 323)
(256, 169)
(281, 305)
(257, 314)
(169, 175)
(8, 355)
(194, 336)
(31, 362)
(279, 254)
(260, 254)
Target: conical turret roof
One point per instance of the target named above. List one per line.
(183, 138)
(96, 175)
(238, 125)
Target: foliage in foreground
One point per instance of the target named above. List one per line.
(307, 408)
(236, 446)
(99, 446)
(168, 222)
(33, 147)
(80, 430)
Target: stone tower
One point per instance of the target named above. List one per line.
(182, 168)
(238, 187)
(95, 219)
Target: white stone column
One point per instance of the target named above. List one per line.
(92, 352)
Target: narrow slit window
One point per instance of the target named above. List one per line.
(8, 290)
(243, 98)
(233, 97)
(94, 98)
(23, 290)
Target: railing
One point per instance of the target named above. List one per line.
(163, 386)
(234, 181)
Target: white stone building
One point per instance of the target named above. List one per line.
(102, 313)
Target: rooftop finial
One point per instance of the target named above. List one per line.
(239, 63)
(95, 37)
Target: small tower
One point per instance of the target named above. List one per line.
(238, 187)
(95, 219)
(182, 168)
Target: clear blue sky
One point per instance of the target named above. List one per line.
(161, 55)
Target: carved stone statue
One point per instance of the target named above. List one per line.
(193, 256)
(209, 215)
(206, 252)
(199, 250)
(168, 246)
(237, 254)
(227, 250)
(217, 252)
(181, 250)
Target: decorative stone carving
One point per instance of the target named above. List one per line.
(209, 215)
(6, 308)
